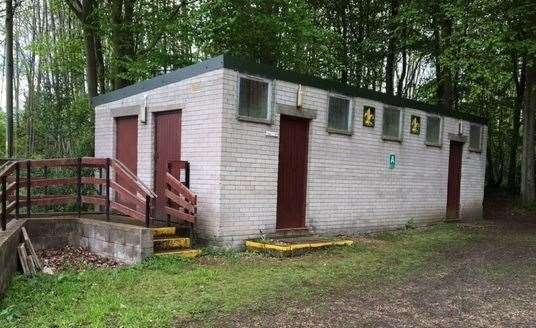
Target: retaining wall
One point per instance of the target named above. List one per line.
(123, 242)
(9, 240)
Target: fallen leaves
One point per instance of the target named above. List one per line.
(74, 258)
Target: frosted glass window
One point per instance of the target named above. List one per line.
(391, 123)
(253, 98)
(475, 134)
(433, 130)
(339, 114)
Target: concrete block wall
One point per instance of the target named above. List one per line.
(349, 186)
(200, 100)
(9, 240)
(123, 242)
(53, 233)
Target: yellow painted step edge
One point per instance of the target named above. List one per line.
(253, 245)
(170, 243)
(189, 253)
(163, 232)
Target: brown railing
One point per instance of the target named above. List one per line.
(180, 170)
(181, 202)
(19, 185)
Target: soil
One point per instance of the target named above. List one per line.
(74, 258)
(489, 284)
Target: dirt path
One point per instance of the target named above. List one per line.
(492, 283)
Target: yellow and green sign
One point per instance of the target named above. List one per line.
(415, 127)
(369, 116)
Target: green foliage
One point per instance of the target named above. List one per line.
(2, 130)
(346, 40)
(411, 224)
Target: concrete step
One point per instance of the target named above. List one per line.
(290, 233)
(164, 232)
(171, 243)
(189, 253)
(295, 246)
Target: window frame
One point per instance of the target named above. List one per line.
(440, 142)
(351, 106)
(479, 149)
(269, 113)
(400, 124)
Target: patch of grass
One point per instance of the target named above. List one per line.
(163, 291)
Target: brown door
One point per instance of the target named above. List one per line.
(292, 174)
(126, 150)
(455, 174)
(167, 148)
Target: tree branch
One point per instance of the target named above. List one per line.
(77, 9)
(173, 14)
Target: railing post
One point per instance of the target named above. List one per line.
(170, 170)
(100, 185)
(147, 210)
(79, 186)
(108, 189)
(4, 197)
(28, 188)
(45, 172)
(187, 174)
(17, 191)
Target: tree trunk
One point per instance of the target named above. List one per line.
(91, 60)
(442, 34)
(528, 185)
(402, 78)
(519, 76)
(85, 11)
(9, 78)
(122, 40)
(100, 64)
(445, 79)
(391, 49)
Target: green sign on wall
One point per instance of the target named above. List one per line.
(392, 161)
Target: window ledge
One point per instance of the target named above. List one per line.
(254, 119)
(395, 139)
(432, 144)
(337, 131)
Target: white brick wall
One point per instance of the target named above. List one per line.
(200, 99)
(350, 188)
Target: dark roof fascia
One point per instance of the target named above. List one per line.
(244, 66)
(160, 81)
(270, 72)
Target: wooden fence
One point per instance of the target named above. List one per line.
(19, 183)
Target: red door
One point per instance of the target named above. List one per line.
(167, 148)
(126, 151)
(292, 174)
(455, 174)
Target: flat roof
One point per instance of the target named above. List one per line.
(248, 67)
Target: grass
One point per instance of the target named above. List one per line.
(163, 292)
